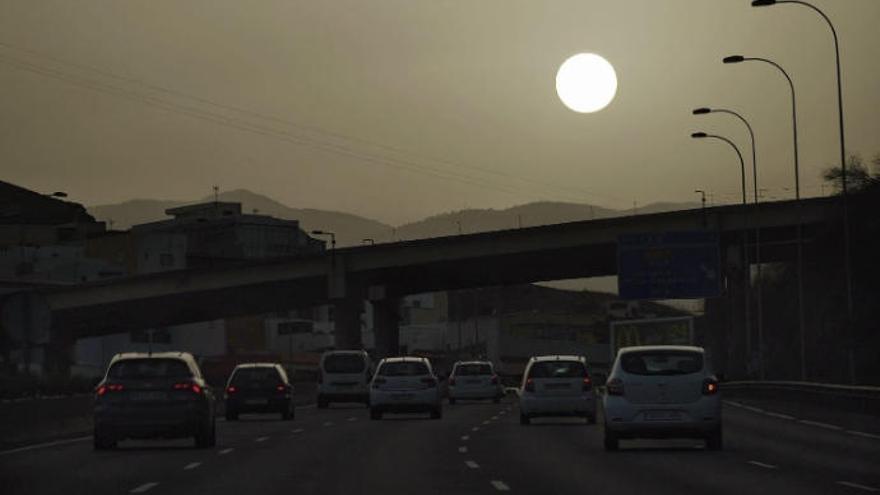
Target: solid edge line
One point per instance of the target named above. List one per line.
(144, 487)
(858, 486)
(45, 445)
(500, 485)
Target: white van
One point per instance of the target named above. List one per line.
(344, 376)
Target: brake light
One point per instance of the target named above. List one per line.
(530, 385)
(494, 379)
(588, 383)
(710, 386)
(281, 388)
(430, 382)
(196, 389)
(614, 386)
(109, 387)
(231, 389)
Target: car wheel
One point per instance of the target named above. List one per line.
(436, 413)
(612, 443)
(103, 441)
(375, 414)
(451, 401)
(715, 440)
(524, 420)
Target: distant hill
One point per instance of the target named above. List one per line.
(352, 229)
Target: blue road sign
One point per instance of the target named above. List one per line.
(669, 265)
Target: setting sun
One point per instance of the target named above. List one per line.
(586, 83)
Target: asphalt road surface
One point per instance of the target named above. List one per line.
(477, 448)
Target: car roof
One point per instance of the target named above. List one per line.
(689, 348)
(152, 355)
(558, 357)
(460, 363)
(401, 359)
(257, 365)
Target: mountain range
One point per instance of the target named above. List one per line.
(352, 229)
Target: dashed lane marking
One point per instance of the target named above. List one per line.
(475, 428)
(298, 430)
(465, 438)
(351, 419)
(485, 422)
(500, 486)
(144, 487)
(462, 450)
(328, 423)
(818, 424)
(779, 416)
(763, 465)
(472, 464)
(753, 409)
(863, 434)
(503, 413)
(858, 486)
(225, 451)
(261, 439)
(45, 445)
(733, 403)
(191, 465)
(494, 418)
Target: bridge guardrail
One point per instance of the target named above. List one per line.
(851, 398)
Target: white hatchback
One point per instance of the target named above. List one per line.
(474, 380)
(556, 386)
(344, 376)
(662, 392)
(405, 385)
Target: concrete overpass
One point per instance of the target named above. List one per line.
(384, 272)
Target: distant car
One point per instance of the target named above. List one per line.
(474, 380)
(344, 376)
(405, 385)
(259, 388)
(556, 386)
(662, 392)
(153, 395)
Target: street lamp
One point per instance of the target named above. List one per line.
(326, 233)
(735, 59)
(847, 263)
(760, 301)
(745, 256)
(702, 194)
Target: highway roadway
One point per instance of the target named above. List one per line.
(477, 448)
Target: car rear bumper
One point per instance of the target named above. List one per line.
(405, 400)
(475, 392)
(272, 405)
(693, 419)
(689, 429)
(575, 405)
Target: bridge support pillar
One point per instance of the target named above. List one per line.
(347, 323)
(386, 325)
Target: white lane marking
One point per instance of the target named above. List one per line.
(863, 434)
(144, 487)
(500, 486)
(328, 423)
(817, 424)
(733, 403)
(462, 449)
(753, 409)
(763, 465)
(486, 422)
(779, 415)
(858, 486)
(471, 464)
(494, 418)
(351, 419)
(465, 438)
(475, 428)
(45, 445)
(191, 465)
(298, 430)
(261, 439)
(503, 413)
(225, 451)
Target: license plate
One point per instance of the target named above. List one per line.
(256, 402)
(662, 415)
(556, 386)
(147, 396)
(402, 396)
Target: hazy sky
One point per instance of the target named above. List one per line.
(401, 109)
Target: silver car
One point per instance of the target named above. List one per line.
(662, 392)
(556, 386)
(474, 380)
(405, 385)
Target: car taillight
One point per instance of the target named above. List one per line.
(494, 379)
(614, 386)
(710, 386)
(530, 385)
(109, 387)
(231, 389)
(430, 382)
(194, 387)
(378, 382)
(281, 388)
(588, 383)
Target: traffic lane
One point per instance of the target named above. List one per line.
(399, 454)
(568, 455)
(812, 449)
(77, 468)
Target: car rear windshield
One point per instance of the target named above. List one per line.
(662, 362)
(344, 363)
(403, 368)
(259, 375)
(557, 369)
(149, 368)
(473, 369)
